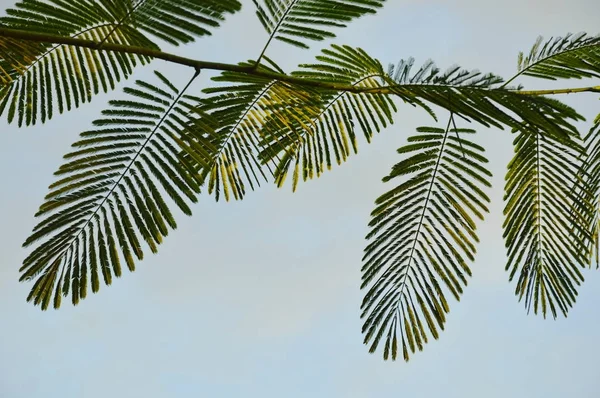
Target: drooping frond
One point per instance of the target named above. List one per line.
(569, 57)
(587, 190)
(241, 106)
(544, 231)
(179, 21)
(423, 233)
(111, 193)
(310, 141)
(174, 21)
(62, 77)
(479, 97)
(299, 21)
(403, 78)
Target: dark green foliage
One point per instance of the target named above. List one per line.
(587, 191)
(569, 57)
(423, 234)
(179, 21)
(59, 78)
(479, 97)
(543, 227)
(174, 21)
(241, 105)
(62, 77)
(110, 198)
(151, 154)
(298, 21)
(310, 137)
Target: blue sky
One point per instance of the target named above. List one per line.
(260, 298)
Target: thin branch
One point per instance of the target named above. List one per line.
(592, 89)
(247, 69)
(176, 59)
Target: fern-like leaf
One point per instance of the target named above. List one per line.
(587, 190)
(479, 97)
(309, 142)
(63, 77)
(242, 104)
(544, 232)
(325, 131)
(569, 57)
(15, 57)
(423, 234)
(111, 193)
(180, 21)
(299, 21)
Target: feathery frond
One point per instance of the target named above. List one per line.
(180, 21)
(587, 190)
(110, 195)
(309, 137)
(63, 77)
(479, 97)
(544, 230)
(569, 57)
(298, 21)
(423, 233)
(308, 143)
(241, 106)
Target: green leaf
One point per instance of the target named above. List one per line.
(242, 104)
(474, 96)
(60, 78)
(587, 191)
(308, 137)
(569, 57)
(111, 193)
(297, 22)
(180, 21)
(423, 234)
(49, 79)
(544, 232)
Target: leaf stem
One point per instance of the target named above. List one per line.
(274, 32)
(592, 89)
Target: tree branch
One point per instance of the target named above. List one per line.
(593, 89)
(250, 69)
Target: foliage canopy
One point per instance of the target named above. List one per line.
(162, 146)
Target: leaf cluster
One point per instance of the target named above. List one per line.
(153, 152)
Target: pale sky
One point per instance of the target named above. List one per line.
(260, 298)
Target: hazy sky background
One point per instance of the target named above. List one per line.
(260, 298)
